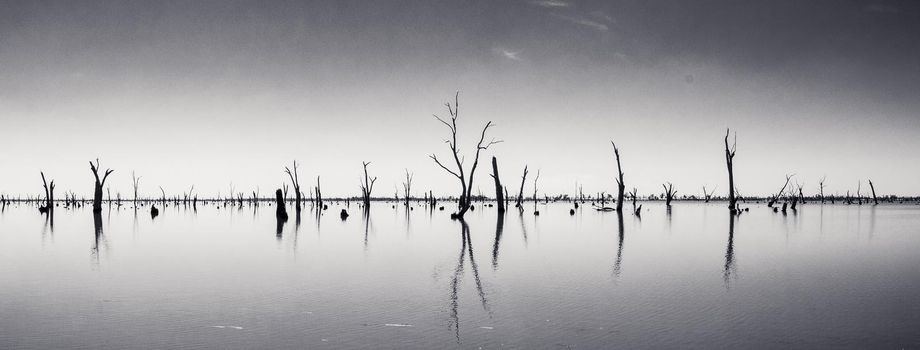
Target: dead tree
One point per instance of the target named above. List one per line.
(407, 186)
(708, 195)
(620, 185)
(669, 193)
(49, 194)
(97, 192)
(872, 186)
(859, 192)
(280, 211)
(535, 179)
(781, 191)
(632, 196)
(295, 181)
(367, 187)
(466, 180)
(135, 182)
(729, 158)
(520, 196)
(163, 193)
(319, 194)
(499, 196)
(821, 188)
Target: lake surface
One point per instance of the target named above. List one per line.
(831, 276)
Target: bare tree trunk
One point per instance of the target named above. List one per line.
(367, 187)
(295, 181)
(620, 184)
(872, 186)
(280, 211)
(729, 157)
(669, 193)
(780, 193)
(821, 187)
(49, 194)
(407, 186)
(135, 181)
(97, 192)
(520, 196)
(319, 194)
(466, 180)
(499, 196)
(535, 179)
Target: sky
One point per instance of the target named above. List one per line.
(221, 94)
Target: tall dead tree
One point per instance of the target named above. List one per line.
(821, 188)
(669, 193)
(407, 186)
(319, 194)
(135, 181)
(781, 191)
(872, 186)
(729, 158)
(520, 196)
(620, 185)
(295, 181)
(367, 187)
(49, 193)
(97, 192)
(466, 180)
(499, 196)
(280, 212)
(535, 179)
(632, 196)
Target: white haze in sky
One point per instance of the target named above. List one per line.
(214, 93)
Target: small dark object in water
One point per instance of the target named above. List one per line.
(154, 212)
(571, 211)
(453, 216)
(746, 209)
(472, 207)
(343, 214)
(441, 208)
(775, 209)
(576, 205)
(411, 208)
(394, 207)
(325, 206)
(42, 210)
(536, 213)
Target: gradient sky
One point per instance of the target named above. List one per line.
(214, 93)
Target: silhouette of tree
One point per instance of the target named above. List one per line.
(367, 187)
(135, 182)
(280, 211)
(781, 191)
(669, 193)
(520, 197)
(97, 192)
(407, 186)
(49, 194)
(729, 158)
(499, 196)
(620, 185)
(872, 186)
(466, 180)
(295, 181)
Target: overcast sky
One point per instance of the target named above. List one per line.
(214, 93)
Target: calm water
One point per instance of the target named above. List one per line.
(828, 276)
